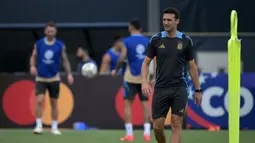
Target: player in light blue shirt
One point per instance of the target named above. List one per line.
(45, 62)
(111, 56)
(133, 49)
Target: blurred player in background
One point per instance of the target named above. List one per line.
(83, 57)
(133, 48)
(174, 51)
(44, 64)
(111, 57)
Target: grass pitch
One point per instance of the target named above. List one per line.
(112, 136)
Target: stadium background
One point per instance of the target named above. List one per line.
(93, 25)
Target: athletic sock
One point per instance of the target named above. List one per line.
(38, 122)
(129, 129)
(147, 128)
(54, 125)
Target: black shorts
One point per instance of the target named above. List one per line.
(164, 98)
(131, 89)
(52, 87)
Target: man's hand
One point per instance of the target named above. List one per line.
(33, 70)
(198, 98)
(70, 79)
(146, 88)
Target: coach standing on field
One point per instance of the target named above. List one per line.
(174, 52)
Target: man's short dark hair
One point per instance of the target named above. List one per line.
(136, 24)
(171, 10)
(50, 24)
(83, 49)
(117, 38)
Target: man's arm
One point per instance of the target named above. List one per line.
(122, 57)
(105, 63)
(193, 70)
(145, 69)
(154, 68)
(151, 53)
(33, 57)
(66, 62)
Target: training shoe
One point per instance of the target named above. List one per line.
(129, 138)
(55, 132)
(38, 130)
(217, 128)
(147, 137)
(211, 129)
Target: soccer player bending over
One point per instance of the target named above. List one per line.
(44, 64)
(111, 57)
(133, 49)
(174, 53)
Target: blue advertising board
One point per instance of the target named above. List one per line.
(214, 108)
